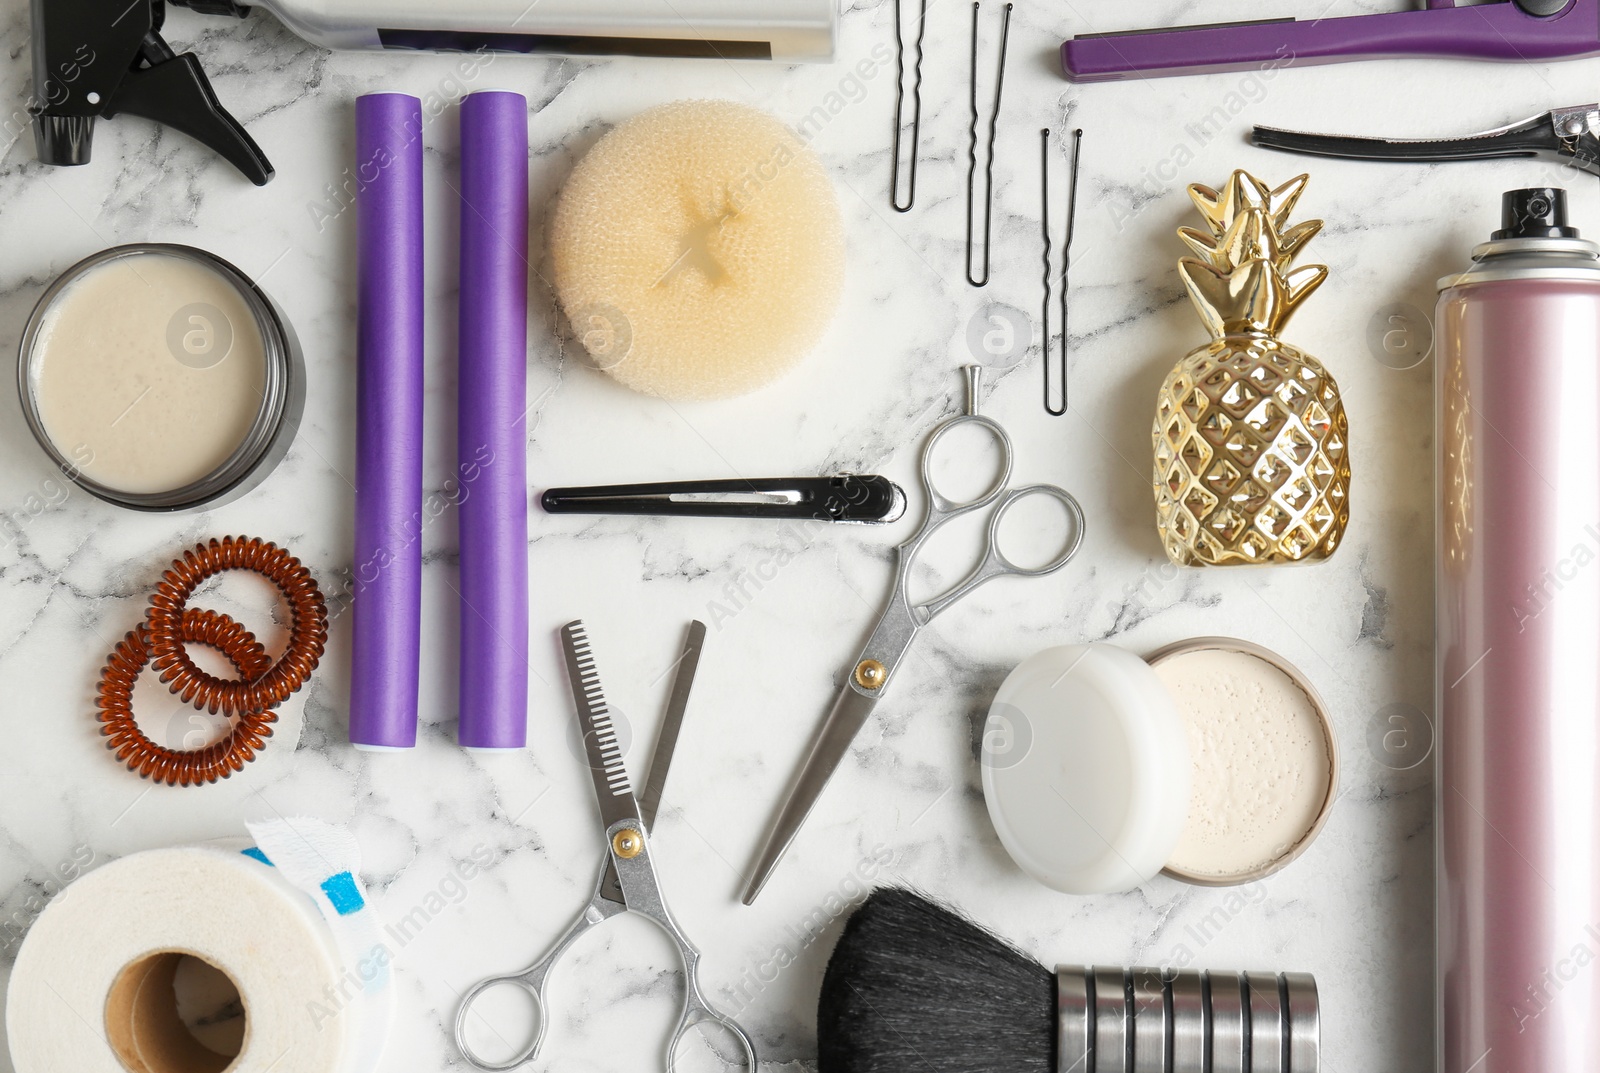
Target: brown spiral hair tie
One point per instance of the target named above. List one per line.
(308, 626)
(182, 767)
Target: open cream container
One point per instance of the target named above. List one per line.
(160, 377)
(1213, 761)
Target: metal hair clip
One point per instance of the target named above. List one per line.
(850, 498)
(1568, 136)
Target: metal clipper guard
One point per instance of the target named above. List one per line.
(1569, 136)
(97, 59)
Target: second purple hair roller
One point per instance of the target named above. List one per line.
(492, 435)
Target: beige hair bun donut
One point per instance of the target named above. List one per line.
(698, 250)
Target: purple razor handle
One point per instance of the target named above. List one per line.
(491, 433)
(387, 615)
(1506, 30)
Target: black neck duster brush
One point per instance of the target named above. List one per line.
(915, 988)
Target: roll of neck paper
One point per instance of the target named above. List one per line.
(250, 955)
(491, 427)
(387, 622)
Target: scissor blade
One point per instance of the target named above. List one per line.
(849, 712)
(611, 787)
(655, 780)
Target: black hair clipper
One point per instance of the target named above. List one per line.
(1567, 136)
(97, 59)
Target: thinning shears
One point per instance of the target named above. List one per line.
(902, 620)
(627, 882)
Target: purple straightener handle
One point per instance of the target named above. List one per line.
(1506, 30)
(492, 431)
(387, 587)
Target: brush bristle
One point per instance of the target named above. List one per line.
(915, 988)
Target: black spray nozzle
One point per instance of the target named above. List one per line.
(63, 140)
(97, 59)
(1537, 212)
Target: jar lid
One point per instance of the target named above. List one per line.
(1086, 768)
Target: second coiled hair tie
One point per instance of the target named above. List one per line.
(308, 626)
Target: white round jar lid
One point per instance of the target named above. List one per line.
(1086, 768)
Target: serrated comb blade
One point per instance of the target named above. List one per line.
(612, 789)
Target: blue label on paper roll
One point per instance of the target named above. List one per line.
(343, 893)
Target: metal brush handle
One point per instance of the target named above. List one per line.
(1185, 1021)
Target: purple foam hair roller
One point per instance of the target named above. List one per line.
(387, 614)
(491, 442)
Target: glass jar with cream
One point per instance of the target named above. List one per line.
(1213, 761)
(160, 377)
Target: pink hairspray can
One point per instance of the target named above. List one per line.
(1518, 649)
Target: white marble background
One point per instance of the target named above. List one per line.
(1355, 910)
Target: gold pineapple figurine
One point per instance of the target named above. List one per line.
(1252, 458)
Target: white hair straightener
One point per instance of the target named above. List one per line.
(102, 58)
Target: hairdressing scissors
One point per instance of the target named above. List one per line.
(627, 881)
(902, 620)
